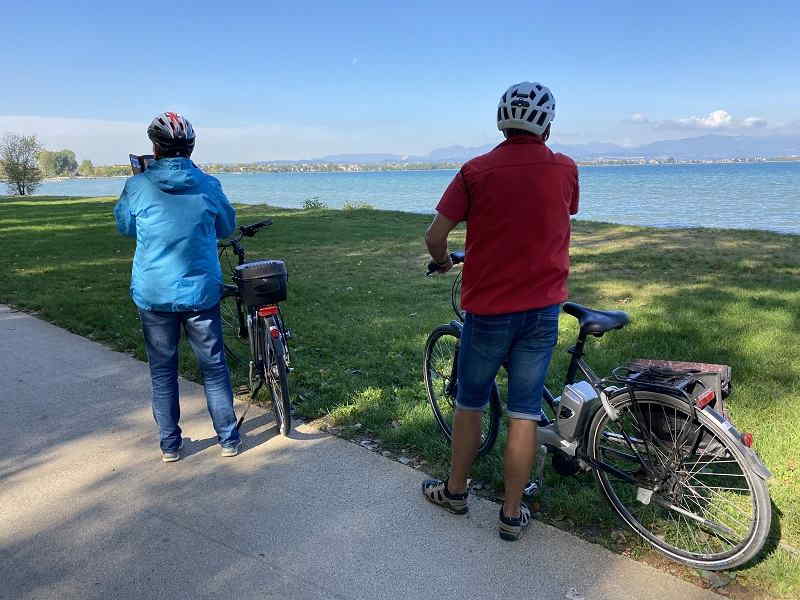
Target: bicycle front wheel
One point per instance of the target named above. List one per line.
(682, 485)
(277, 375)
(440, 369)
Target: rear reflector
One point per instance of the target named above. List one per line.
(705, 399)
(747, 439)
(275, 332)
(267, 311)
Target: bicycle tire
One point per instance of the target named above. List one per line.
(236, 343)
(441, 395)
(705, 538)
(277, 376)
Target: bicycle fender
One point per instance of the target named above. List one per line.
(753, 460)
(611, 411)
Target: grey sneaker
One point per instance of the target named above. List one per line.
(229, 451)
(435, 491)
(511, 529)
(172, 455)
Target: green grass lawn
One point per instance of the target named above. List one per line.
(360, 309)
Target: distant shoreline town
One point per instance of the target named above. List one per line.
(329, 167)
(703, 150)
(372, 167)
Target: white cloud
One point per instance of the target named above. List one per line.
(715, 120)
(754, 122)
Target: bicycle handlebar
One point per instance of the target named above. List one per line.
(244, 231)
(250, 230)
(456, 257)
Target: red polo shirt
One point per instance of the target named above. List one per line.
(517, 201)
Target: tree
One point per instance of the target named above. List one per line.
(65, 163)
(47, 163)
(86, 169)
(18, 154)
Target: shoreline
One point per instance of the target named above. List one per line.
(250, 206)
(646, 163)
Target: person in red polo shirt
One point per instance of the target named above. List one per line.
(517, 201)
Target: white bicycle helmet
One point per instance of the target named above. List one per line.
(528, 105)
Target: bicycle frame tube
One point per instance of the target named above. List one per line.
(577, 364)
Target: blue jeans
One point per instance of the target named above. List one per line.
(162, 332)
(523, 342)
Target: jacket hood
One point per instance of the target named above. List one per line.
(173, 175)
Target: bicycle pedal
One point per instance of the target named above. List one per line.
(288, 334)
(534, 488)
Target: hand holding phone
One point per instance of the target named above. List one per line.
(139, 164)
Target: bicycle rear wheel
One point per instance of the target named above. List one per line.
(277, 374)
(440, 370)
(682, 485)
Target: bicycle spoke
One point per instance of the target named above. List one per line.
(721, 497)
(697, 505)
(716, 528)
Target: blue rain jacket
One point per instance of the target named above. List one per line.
(176, 213)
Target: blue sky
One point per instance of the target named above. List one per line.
(292, 80)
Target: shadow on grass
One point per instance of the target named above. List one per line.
(361, 309)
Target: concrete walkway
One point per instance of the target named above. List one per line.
(87, 509)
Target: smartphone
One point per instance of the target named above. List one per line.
(139, 164)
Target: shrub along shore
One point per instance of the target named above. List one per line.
(360, 309)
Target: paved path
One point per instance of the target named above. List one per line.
(87, 509)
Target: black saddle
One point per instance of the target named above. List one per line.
(596, 322)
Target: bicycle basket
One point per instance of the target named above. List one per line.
(262, 282)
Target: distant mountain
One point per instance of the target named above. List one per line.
(706, 147)
(360, 158)
(457, 153)
(722, 146)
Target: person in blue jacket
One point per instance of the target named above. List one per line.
(177, 213)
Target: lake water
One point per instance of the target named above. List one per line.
(740, 195)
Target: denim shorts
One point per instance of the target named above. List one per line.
(523, 342)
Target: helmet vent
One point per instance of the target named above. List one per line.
(542, 118)
(544, 99)
(505, 113)
(532, 116)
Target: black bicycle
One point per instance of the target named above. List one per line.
(655, 434)
(253, 327)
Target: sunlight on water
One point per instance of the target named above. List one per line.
(749, 196)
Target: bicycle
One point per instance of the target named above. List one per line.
(655, 435)
(253, 327)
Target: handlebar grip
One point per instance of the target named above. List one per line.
(251, 230)
(433, 266)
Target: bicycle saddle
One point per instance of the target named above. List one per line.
(596, 322)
